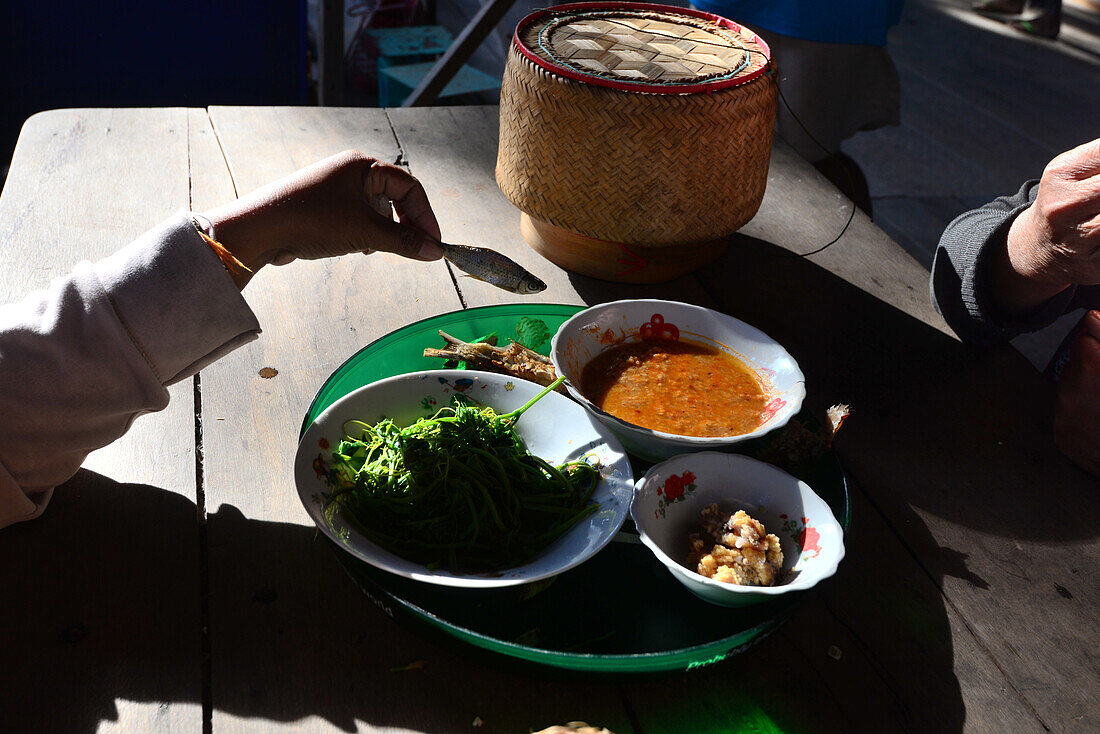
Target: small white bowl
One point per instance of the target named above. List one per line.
(668, 504)
(600, 328)
(555, 429)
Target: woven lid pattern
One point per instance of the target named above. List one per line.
(642, 46)
(645, 47)
(643, 168)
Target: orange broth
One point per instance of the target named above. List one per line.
(676, 387)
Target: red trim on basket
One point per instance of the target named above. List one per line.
(635, 260)
(598, 81)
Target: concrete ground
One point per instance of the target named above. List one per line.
(983, 109)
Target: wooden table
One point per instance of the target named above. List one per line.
(176, 584)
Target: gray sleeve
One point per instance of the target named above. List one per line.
(80, 361)
(957, 283)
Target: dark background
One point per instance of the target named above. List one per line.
(128, 53)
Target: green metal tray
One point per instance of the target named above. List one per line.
(620, 612)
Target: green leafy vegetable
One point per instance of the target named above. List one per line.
(532, 333)
(458, 490)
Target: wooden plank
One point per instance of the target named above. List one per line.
(868, 650)
(453, 151)
(103, 589)
(456, 178)
(295, 646)
(939, 397)
(211, 182)
(917, 223)
(802, 212)
(314, 314)
(955, 448)
(846, 355)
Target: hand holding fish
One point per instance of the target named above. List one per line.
(327, 209)
(480, 263)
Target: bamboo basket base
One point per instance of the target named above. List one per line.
(616, 261)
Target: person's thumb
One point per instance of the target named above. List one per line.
(1091, 324)
(386, 235)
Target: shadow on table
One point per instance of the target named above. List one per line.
(102, 594)
(953, 446)
(958, 433)
(103, 609)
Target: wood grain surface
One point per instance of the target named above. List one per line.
(967, 600)
(452, 150)
(954, 447)
(107, 580)
(295, 646)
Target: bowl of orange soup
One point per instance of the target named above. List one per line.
(670, 378)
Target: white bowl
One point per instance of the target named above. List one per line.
(555, 428)
(667, 512)
(602, 327)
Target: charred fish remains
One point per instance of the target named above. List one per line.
(515, 359)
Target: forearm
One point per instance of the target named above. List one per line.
(972, 249)
(1017, 279)
(80, 361)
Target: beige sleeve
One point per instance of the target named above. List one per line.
(81, 360)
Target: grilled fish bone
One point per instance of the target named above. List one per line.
(515, 359)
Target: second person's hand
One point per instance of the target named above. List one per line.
(1054, 243)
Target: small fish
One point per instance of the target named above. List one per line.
(478, 262)
(493, 268)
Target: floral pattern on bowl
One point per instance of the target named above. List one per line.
(804, 535)
(675, 489)
(666, 509)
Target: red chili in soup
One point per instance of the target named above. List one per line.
(676, 387)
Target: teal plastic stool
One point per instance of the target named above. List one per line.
(409, 44)
(395, 83)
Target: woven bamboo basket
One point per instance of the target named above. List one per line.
(634, 138)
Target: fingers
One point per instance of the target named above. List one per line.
(408, 196)
(1091, 323)
(401, 239)
(417, 234)
(1081, 162)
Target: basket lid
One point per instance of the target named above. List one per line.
(641, 47)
